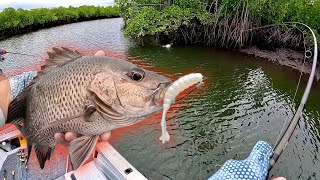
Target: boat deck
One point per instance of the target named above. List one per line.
(106, 163)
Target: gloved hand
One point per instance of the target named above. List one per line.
(19, 82)
(10, 88)
(255, 167)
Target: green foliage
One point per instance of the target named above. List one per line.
(11, 19)
(305, 11)
(145, 17)
(272, 12)
(146, 22)
(172, 18)
(150, 20)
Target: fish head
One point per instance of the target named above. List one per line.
(124, 89)
(141, 91)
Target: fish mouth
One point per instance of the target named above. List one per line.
(159, 93)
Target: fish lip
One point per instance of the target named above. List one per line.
(159, 95)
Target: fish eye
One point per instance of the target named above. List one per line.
(137, 74)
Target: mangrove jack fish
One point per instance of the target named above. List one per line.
(88, 95)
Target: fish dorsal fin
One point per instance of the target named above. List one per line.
(80, 150)
(43, 153)
(57, 58)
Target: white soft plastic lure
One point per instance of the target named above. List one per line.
(177, 87)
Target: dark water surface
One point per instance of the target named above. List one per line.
(245, 100)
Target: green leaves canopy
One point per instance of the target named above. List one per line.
(145, 17)
(12, 19)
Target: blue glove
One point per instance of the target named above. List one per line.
(19, 82)
(255, 167)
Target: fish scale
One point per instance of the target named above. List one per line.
(71, 87)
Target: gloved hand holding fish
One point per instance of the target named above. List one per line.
(88, 95)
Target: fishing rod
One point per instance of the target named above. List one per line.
(284, 140)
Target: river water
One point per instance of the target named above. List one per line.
(244, 100)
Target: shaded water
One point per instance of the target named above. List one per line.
(245, 100)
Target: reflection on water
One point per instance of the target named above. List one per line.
(91, 35)
(244, 100)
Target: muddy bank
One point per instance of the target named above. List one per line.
(284, 56)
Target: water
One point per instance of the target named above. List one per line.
(245, 100)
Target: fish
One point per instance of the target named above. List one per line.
(88, 95)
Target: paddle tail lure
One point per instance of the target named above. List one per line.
(294, 121)
(176, 88)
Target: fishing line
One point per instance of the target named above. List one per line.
(285, 137)
(9, 52)
(294, 97)
(301, 71)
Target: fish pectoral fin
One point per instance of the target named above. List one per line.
(89, 110)
(86, 115)
(43, 153)
(80, 150)
(113, 116)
